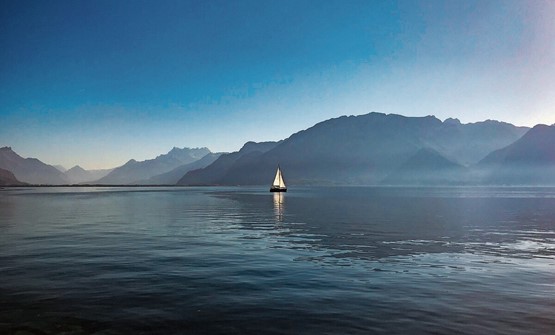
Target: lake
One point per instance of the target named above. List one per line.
(340, 260)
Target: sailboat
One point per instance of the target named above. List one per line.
(279, 184)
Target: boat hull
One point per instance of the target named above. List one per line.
(277, 189)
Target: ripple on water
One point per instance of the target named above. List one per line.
(235, 260)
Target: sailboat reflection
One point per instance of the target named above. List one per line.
(279, 199)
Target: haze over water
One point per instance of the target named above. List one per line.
(241, 260)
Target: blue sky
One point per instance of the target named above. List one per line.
(97, 83)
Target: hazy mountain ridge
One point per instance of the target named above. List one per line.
(467, 144)
(60, 168)
(215, 173)
(332, 151)
(133, 171)
(371, 149)
(78, 175)
(7, 178)
(427, 167)
(528, 161)
(173, 176)
(30, 170)
(364, 149)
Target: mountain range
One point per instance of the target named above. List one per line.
(371, 149)
(365, 150)
(165, 169)
(133, 172)
(173, 176)
(30, 170)
(528, 161)
(78, 175)
(217, 173)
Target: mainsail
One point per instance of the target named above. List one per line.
(278, 183)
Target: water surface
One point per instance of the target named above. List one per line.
(311, 261)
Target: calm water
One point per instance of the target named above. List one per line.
(243, 260)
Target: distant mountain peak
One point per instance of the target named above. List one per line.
(542, 126)
(534, 147)
(174, 150)
(8, 151)
(132, 161)
(76, 168)
(178, 153)
(30, 170)
(257, 146)
(426, 156)
(528, 161)
(134, 171)
(494, 122)
(452, 121)
(541, 134)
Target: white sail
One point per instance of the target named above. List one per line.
(278, 180)
(278, 185)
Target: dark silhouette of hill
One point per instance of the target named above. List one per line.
(30, 170)
(8, 179)
(133, 171)
(427, 167)
(173, 176)
(528, 161)
(216, 173)
(363, 149)
(77, 174)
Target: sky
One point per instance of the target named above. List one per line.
(97, 83)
